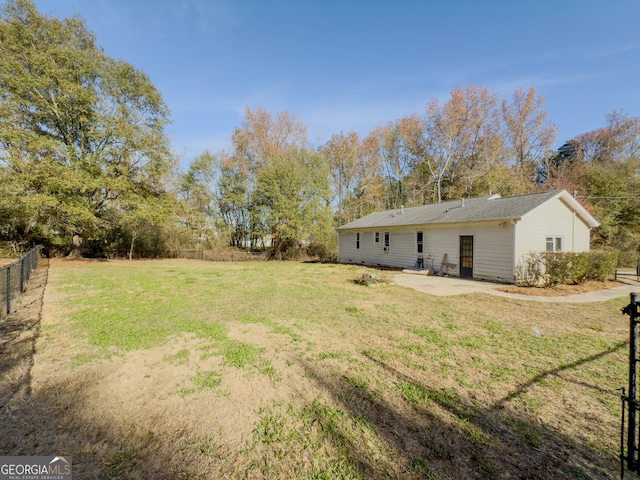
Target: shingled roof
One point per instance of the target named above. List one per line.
(476, 209)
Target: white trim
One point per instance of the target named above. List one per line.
(554, 243)
(419, 243)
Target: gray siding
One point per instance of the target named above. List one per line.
(372, 253)
(493, 249)
(499, 243)
(553, 218)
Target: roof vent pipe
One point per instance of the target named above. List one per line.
(401, 208)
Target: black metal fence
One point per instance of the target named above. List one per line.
(625, 273)
(14, 278)
(630, 406)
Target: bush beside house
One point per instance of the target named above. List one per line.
(570, 268)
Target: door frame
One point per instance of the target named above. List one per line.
(466, 256)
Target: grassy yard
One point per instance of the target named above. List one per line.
(188, 370)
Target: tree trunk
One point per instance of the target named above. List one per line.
(76, 243)
(133, 241)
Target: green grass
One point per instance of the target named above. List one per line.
(204, 446)
(202, 380)
(401, 382)
(414, 393)
(271, 427)
(240, 355)
(119, 467)
(180, 358)
(329, 355)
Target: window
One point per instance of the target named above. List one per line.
(358, 241)
(420, 242)
(377, 237)
(554, 244)
(386, 240)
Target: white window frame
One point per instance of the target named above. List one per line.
(357, 240)
(420, 242)
(556, 242)
(376, 237)
(387, 241)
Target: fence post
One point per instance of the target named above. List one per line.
(9, 290)
(632, 398)
(22, 274)
(633, 383)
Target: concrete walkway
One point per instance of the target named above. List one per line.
(447, 286)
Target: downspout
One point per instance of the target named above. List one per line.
(573, 232)
(515, 248)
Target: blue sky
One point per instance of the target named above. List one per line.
(355, 64)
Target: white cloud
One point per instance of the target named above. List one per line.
(613, 51)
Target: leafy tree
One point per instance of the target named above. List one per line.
(233, 204)
(140, 216)
(344, 156)
(197, 193)
(611, 191)
(609, 182)
(564, 169)
(80, 133)
(290, 195)
(261, 140)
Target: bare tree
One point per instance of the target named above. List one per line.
(528, 136)
(261, 137)
(618, 140)
(461, 143)
(397, 145)
(344, 156)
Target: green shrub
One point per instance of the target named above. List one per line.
(601, 264)
(579, 268)
(322, 252)
(557, 268)
(569, 268)
(284, 249)
(627, 258)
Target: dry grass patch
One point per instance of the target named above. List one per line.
(186, 369)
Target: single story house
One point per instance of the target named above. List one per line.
(483, 237)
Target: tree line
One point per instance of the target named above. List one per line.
(86, 165)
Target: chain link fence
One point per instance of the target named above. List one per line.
(14, 278)
(218, 255)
